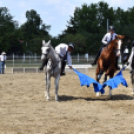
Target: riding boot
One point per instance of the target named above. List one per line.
(116, 63)
(42, 65)
(63, 64)
(97, 56)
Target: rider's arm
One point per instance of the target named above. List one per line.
(104, 39)
(69, 60)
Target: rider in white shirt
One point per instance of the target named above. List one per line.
(108, 37)
(64, 52)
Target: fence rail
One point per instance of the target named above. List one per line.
(35, 60)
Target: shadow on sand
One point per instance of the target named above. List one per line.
(101, 98)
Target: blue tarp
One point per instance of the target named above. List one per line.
(116, 80)
(112, 83)
(86, 81)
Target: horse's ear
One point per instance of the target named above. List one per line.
(49, 42)
(43, 42)
(121, 36)
(116, 37)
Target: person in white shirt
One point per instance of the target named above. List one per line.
(2, 62)
(125, 54)
(108, 37)
(64, 52)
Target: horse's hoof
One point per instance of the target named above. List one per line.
(97, 94)
(48, 99)
(132, 93)
(57, 101)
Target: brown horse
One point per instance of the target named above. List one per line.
(106, 61)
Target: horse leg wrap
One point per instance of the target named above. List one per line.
(100, 74)
(105, 78)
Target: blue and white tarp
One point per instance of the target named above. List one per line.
(112, 83)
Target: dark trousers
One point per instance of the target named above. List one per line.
(63, 65)
(99, 52)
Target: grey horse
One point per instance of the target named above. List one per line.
(52, 67)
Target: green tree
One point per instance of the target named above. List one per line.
(7, 28)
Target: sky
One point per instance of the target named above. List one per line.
(55, 13)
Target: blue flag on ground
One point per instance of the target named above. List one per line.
(116, 80)
(86, 81)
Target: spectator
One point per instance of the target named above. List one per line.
(125, 54)
(2, 62)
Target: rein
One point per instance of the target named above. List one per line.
(108, 46)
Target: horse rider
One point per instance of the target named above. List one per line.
(108, 37)
(64, 51)
(131, 58)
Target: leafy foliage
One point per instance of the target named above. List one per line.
(85, 28)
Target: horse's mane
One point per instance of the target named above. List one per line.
(52, 48)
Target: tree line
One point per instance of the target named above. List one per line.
(85, 29)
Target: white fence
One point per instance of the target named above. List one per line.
(25, 60)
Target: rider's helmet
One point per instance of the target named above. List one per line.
(71, 45)
(112, 28)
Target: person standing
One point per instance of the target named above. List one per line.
(125, 54)
(2, 62)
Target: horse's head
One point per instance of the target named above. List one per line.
(118, 43)
(45, 50)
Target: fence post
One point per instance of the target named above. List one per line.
(86, 55)
(29, 59)
(35, 57)
(78, 57)
(13, 59)
(24, 57)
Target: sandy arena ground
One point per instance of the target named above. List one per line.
(24, 109)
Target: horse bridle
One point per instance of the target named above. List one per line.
(118, 49)
(46, 56)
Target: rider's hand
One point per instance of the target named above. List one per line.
(70, 67)
(127, 63)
